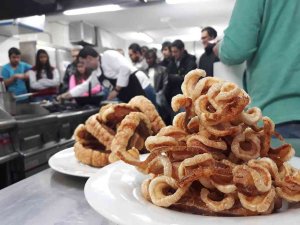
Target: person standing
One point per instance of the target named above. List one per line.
(136, 56)
(159, 80)
(44, 79)
(265, 33)
(14, 74)
(167, 54)
(114, 73)
(81, 75)
(181, 63)
(71, 69)
(208, 58)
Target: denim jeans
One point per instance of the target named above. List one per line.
(289, 129)
(150, 94)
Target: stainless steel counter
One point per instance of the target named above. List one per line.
(47, 198)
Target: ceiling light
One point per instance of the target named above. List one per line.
(172, 2)
(95, 9)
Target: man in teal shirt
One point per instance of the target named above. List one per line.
(14, 74)
(266, 34)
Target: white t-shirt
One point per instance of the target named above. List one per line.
(115, 66)
(44, 82)
(151, 73)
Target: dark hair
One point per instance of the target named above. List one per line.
(211, 31)
(39, 66)
(78, 76)
(88, 51)
(144, 48)
(178, 44)
(135, 48)
(151, 52)
(13, 50)
(166, 44)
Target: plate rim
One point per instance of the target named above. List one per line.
(57, 169)
(118, 220)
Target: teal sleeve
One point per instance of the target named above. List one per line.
(27, 67)
(5, 73)
(240, 38)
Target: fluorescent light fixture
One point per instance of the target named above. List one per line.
(173, 2)
(94, 9)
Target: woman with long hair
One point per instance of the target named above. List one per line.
(43, 78)
(82, 74)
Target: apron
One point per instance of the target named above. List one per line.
(133, 88)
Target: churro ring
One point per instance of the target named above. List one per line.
(246, 145)
(193, 125)
(180, 121)
(281, 154)
(251, 116)
(100, 131)
(115, 113)
(172, 131)
(203, 86)
(226, 203)
(133, 122)
(144, 105)
(289, 187)
(90, 155)
(191, 80)
(153, 143)
(159, 188)
(82, 136)
(252, 180)
(260, 203)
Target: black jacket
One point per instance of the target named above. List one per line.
(160, 83)
(176, 74)
(165, 62)
(207, 60)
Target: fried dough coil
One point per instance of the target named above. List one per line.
(145, 106)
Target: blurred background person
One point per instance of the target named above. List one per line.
(166, 52)
(137, 59)
(71, 69)
(159, 80)
(144, 49)
(181, 63)
(121, 51)
(43, 78)
(81, 75)
(208, 58)
(115, 74)
(14, 74)
(273, 61)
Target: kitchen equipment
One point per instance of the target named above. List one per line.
(89, 100)
(7, 101)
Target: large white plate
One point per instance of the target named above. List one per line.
(65, 162)
(115, 193)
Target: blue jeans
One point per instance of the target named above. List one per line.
(150, 94)
(289, 129)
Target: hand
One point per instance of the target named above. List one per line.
(112, 95)
(63, 96)
(216, 49)
(19, 76)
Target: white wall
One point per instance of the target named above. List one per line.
(5, 44)
(107, 40)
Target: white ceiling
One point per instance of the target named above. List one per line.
(160, 21)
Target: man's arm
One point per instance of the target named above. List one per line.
(84, 87)
(240, 39)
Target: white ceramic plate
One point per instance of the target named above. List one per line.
(65, 162)
(115, 193)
